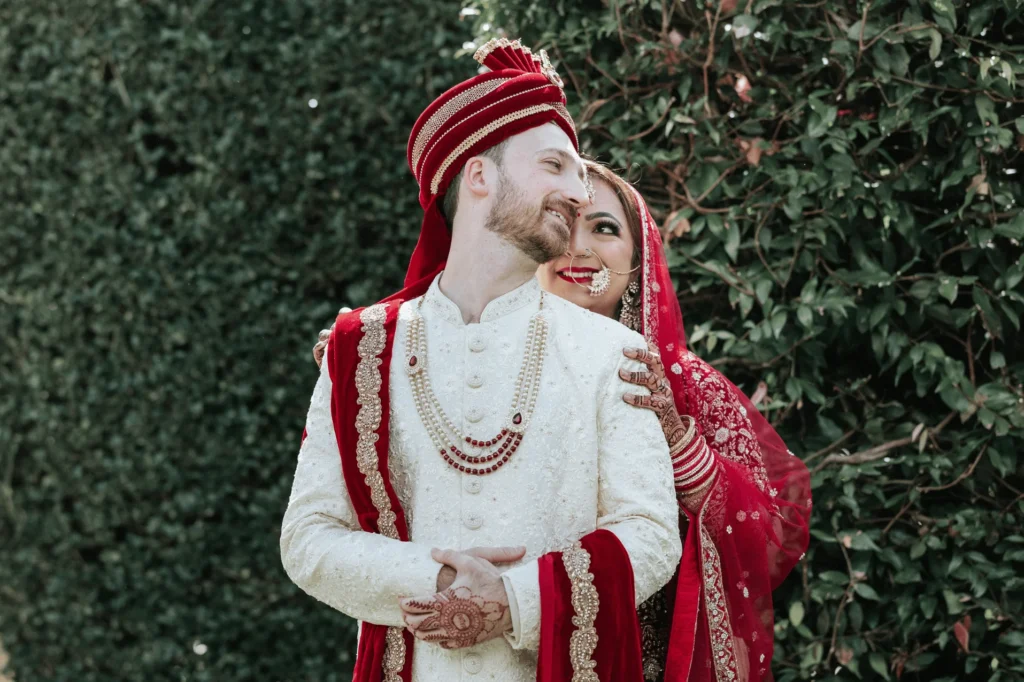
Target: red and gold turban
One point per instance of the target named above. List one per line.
(521, 91)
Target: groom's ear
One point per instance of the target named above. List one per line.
(479, 176)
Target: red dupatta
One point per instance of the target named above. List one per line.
(747, 531)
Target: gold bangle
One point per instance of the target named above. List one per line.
(703, 487)
(687, 436)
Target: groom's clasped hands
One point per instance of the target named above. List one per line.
(471, 605)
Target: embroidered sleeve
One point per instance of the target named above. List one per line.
(636, 499)
(323, 549)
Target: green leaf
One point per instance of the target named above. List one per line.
(986, 109)
(796, 613)
(763, 289)
(806, 316)
(953, 605)
(732, 240)
(948, 289)
(866, 591)
(744, 25)
(997, 360)
(878, 664)
(936, 44)
(992, 320)
(945, 14)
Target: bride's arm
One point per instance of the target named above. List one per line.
(694, 467)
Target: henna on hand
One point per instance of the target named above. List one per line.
(457, 618)
(661, 401)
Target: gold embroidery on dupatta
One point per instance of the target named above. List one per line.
(585, 604)
(368, 385)
(722, 652)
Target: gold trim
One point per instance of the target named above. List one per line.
(445, 113)
(368, 385)
(722, 652)
(490, 46)
(440, 137)
(394, 655)
(585, 603)
(435, 184)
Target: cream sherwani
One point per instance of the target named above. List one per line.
(588, 460)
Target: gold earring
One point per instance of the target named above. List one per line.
(629, 314)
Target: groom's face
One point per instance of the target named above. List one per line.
(539, 192)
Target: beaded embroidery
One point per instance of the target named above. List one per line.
(449, 109)
(722, 652)
(368, 385)
(435, 184)
(585, 603)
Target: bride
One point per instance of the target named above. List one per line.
(744, 498)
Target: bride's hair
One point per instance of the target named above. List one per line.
(624, 192)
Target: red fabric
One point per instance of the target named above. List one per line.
(342, 360)
(757, 536)
(617, 654)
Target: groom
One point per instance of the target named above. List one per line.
(472, 486)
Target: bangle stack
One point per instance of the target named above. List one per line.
(693, 463)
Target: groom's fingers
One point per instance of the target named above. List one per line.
(449, 557)
(498, 555)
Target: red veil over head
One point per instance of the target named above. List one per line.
(747, 533)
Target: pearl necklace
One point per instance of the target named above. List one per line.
(492, 453)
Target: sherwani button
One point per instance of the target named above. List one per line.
(475, 381)
(472, 663)
(473, 521)
(472, 485)
(474, 415)
(477, 344)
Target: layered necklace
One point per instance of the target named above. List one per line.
(460, 451)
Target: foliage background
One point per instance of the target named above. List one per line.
(177, 221)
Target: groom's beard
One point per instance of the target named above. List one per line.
(513, 219)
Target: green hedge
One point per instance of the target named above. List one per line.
(841, 184)
(176, 224)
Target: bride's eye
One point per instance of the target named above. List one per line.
(607, 228)
(557, 165)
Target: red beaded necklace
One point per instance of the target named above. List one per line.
(492, 453)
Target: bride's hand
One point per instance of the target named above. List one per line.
(321, 344)
(661, 400)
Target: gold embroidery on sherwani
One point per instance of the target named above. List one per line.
(585, 603)
(368, 385)
(722, 652)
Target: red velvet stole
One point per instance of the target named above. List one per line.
(683, 639)
(618, 654)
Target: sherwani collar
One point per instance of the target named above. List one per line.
(505, 304)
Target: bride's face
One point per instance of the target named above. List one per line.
(602, 228)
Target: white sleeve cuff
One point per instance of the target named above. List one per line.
(522, 584)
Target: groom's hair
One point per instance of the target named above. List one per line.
(450, 203)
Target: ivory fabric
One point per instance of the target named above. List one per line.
(587, 461)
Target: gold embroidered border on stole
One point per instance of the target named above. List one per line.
(368, 385)
(585, 603)
(722, 651)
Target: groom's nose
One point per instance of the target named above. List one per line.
(576, 193)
